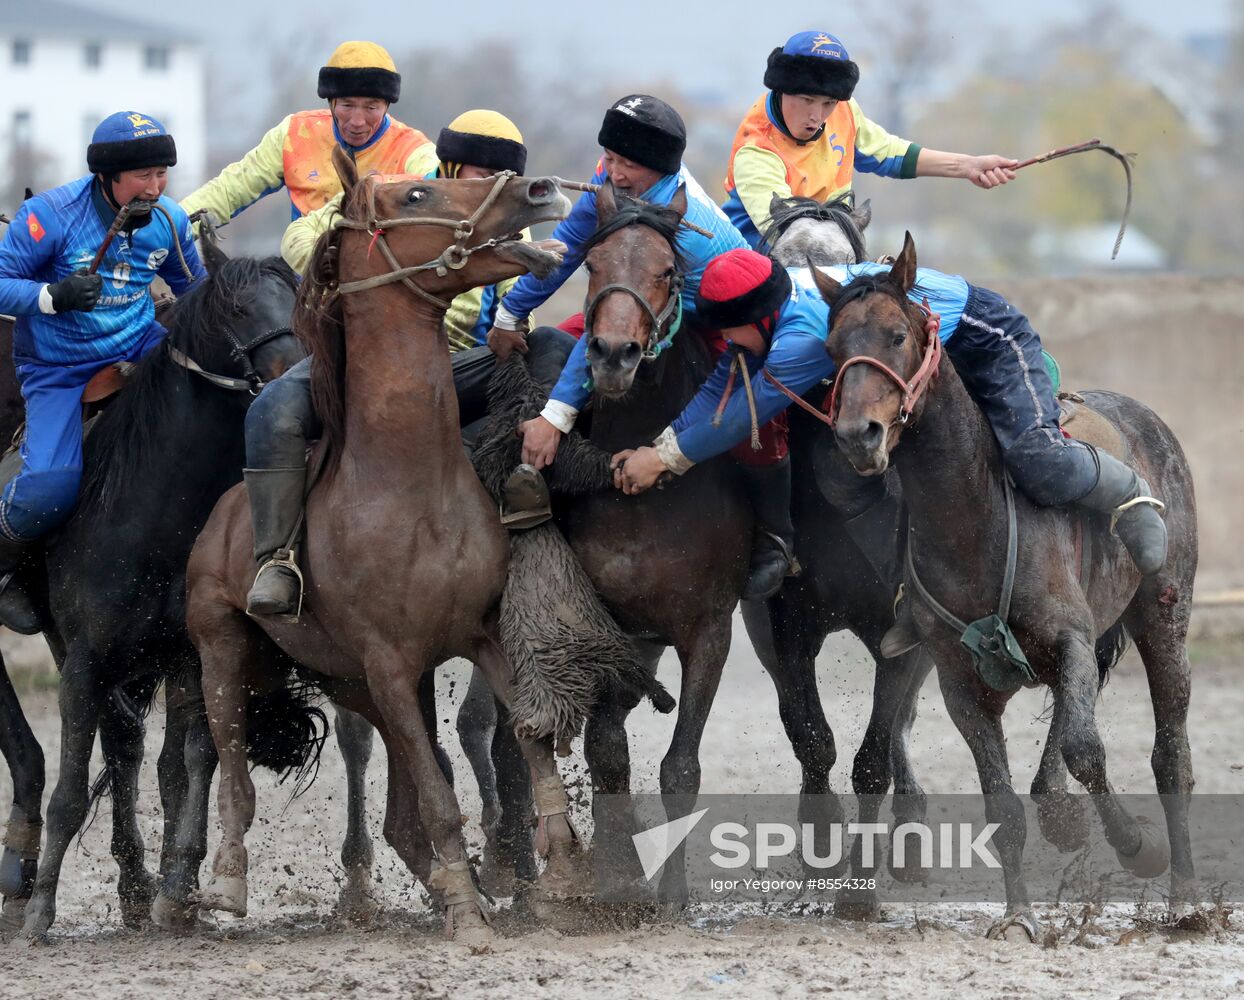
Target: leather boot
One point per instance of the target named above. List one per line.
(525, 501)
(1135, 518)
(17, 611)
(276, 497)
(768, 488)
(876, 532)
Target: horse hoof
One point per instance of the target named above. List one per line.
(496, 871)
(1018, 928)
(355, 902)
(137, 899)
(1063, 820)
(225, 894)
(169, 915)
(562, 912)
(12, 917)
(857, 904)
(466, 925)
(1154, 855)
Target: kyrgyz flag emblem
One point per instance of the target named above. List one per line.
(37, 232)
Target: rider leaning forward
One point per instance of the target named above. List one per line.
(72, 324)
(776, 320)
(807, 136)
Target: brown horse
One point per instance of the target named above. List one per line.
(953, 483)
(405, 559)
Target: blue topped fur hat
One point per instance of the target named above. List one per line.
(812, 62)
(129, 141)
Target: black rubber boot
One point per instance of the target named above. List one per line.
(876, 532)
(768, 488)
(1138, 524)
(17, 611)
(525, 501)
(276, 497)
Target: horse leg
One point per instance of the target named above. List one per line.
(121, 734)
(228, 644)
(702, 662)
(509, 853)
(24, 831)
(910, 803)
(173, 909)
(354, 739)
(394, 682)
(977, 714)
(81, 702)
(1139, 845)
(1160, 632)
(1061, 815)
(485, 745)
(565, 874)
(608, 757)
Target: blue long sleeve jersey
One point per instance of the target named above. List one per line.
(58, 232)
(796, 358)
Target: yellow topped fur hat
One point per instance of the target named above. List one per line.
(483, 139)
(360, 69)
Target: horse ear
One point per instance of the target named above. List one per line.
(606, 203)
(679, 202)
(830, 289)
(346, 169)
(213, 257)
(903, 271)
(863, 215)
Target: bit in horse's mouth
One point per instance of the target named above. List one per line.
(540, 257)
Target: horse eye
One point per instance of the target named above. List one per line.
(587, 267)
(899, 340)
(414, 195)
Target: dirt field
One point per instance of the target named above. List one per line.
(1174, 342)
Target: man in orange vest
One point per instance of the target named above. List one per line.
(359, 82)
(807, 137)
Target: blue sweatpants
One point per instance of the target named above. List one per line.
(45, 491)
(997, 354)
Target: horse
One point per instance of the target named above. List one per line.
(405, 558)
(803, 230)
(1071, 628)
(154, 463)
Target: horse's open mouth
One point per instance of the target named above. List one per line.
(540, 257)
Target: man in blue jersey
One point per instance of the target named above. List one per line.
(71, 324)
(780, 322)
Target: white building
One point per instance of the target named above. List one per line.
(64, 68)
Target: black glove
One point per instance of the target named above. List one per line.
(77, 293)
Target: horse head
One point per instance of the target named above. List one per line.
(886, 352)
(446, 236)
(803, 230)
(634, 284)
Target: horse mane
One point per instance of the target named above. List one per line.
(839, 211)
(636, 212)
(122, 445)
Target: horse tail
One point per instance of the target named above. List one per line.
(1111, 645)
(319, 324)
(285, 732)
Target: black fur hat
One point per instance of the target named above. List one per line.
(812, 62)
(647, 130)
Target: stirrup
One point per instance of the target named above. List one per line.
(1123, 508)
(283, 559)
(525, 499)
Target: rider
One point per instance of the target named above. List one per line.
(74, 321)
(282, 420)
(807, 137)
(643, 140)
(777, 321)
(359, 82)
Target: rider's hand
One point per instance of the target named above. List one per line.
(638, 470)
(991, 171)
(540, 441)
(77, 293)
(503, 343)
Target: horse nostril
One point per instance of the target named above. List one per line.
(540, 190)
(630, 354)
(597, 351)
(874, 434)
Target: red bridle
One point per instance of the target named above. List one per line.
(912, 390)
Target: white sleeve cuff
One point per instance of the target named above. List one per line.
(560, 415)
(45, 302)
(669, 452)
(506, 320)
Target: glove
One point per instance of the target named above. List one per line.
(77, 293)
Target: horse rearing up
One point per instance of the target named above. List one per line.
(405, 557)
(955, 489)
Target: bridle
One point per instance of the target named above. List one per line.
(672, 309)
(251, 380)
(912, 389)
(453, 258)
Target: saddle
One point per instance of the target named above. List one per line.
(1080, 421)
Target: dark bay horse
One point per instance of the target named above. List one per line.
(155, 462)
(405, 557)
(949, 463)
